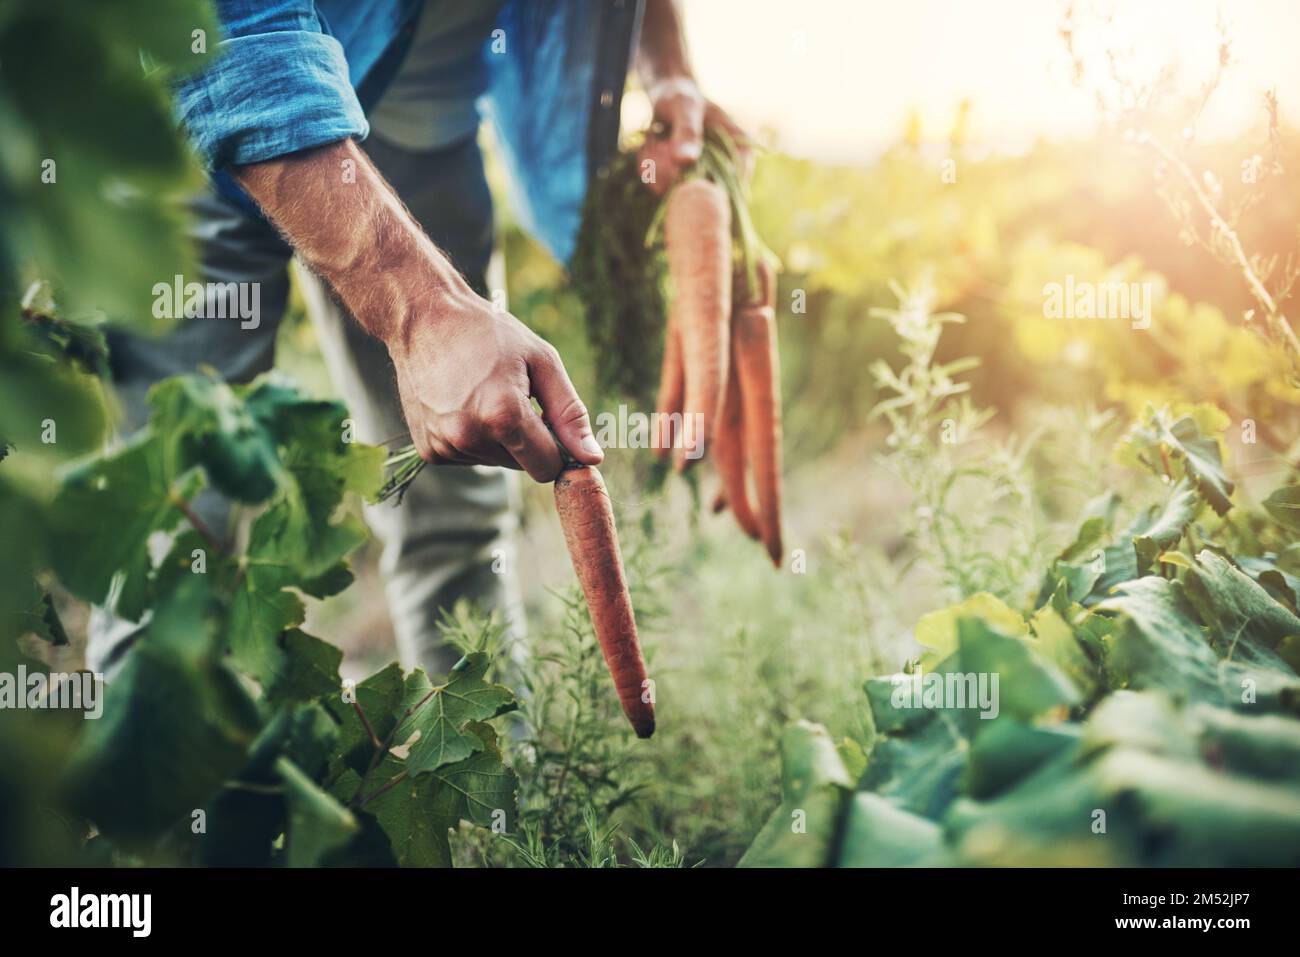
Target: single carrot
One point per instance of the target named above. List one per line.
(697, 238)
(671, 384)
(758, 372)
(587, 518)
(729, 455)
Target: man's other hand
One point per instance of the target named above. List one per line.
(676, 137)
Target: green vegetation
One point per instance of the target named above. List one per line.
(1146, 710)
(1101, 515)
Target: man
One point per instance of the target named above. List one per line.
(397, 236)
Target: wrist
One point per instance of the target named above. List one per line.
(408, 286)
(667, 85)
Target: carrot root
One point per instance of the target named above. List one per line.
(672, 379)
(587, 518)
(729, 449)
(758, 372)
(697, 237)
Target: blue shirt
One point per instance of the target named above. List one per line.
(294, 74)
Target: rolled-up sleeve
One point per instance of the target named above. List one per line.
(278, 84)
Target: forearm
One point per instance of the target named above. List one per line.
(347, 225)
(662, 53)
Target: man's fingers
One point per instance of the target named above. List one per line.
(564, 411)
(686, 145)
(439, 452)
(687, 141)
(531, 444)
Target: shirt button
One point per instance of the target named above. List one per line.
(607, 99)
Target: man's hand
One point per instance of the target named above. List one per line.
(466, 372)
(681, 113)
(466, 380)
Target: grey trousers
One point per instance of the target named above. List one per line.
(452, 536)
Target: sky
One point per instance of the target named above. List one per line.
(837, 79)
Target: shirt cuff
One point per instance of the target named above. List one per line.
(269, 94)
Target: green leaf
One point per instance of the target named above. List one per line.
(1057, 642)
(1162, 644)
(260, 612)
(380, 698)
(165, 33)
(1284, 506)
(37, 388)
(1079, 578)
(1281, 585)
(1167, 524)
(176, 724)
(215, 429)
(1202, 816)
(879, 834)
(27, 609)
(1010, 751)
(106, 510)
(1161, 528)
(417, 812)
(1045, 820)
(417, 837)
(1092, 531)
(1119, 565)
(815, 789)
(318, 824)
(478, 789)
(887, 717)
(1248, 624)
(1263, 746)
(313, 738)
(853, 756)
(103, 230)
(332, 581)
(444, 714)
(1149, 720)
(1079, 563)
(937, 631)
(1028, 683)
(310, 669)
(1191, 441)
(414, 808)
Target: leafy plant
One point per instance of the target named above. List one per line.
(228, 736)
(1146, 710)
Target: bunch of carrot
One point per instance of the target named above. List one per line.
(720, 364)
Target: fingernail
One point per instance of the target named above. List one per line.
(590, 446)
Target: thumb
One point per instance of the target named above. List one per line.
(562, 408)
